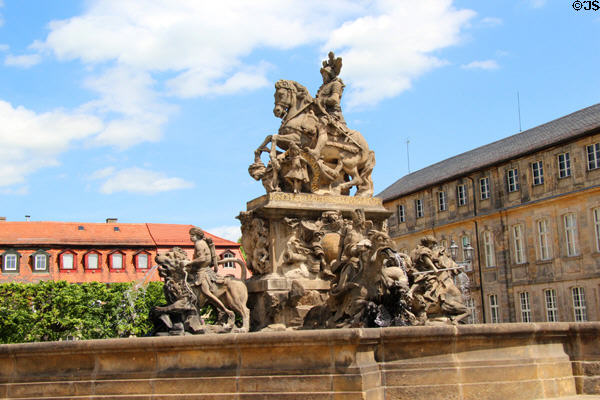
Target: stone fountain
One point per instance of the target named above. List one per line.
(317, 246)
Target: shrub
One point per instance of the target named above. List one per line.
(51, 310)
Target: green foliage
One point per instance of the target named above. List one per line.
(50, 310)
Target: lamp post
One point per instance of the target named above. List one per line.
(468, 254)
(453, 250)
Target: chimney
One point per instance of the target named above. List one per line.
(111, 220)
(27, 217)
(2, 219)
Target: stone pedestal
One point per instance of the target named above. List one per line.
(282, 290)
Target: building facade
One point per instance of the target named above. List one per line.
(31, 251)
(529, 206)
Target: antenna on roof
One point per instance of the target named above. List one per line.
(407, 155)
(519, 110)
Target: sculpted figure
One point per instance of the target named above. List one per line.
(297, 173)
(341, 156)
(191, 284)
(255, 233)
(435, 295)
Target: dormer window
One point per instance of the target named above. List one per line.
(228, 264)
(91, 261)
(40, 261)
(66, 261)
(115, 261)
(141, 260)
(10, 261)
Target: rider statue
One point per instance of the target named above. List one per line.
(328, 100)
(201, 267)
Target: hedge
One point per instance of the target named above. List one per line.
(52, 310)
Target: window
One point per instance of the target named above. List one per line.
(525, 307)
(401, 215)
(518, 244)
(466, 242)
(494, 309)
(116, 260)
(593, 156)
(141, 261)
(543, 240)
(229, 264)
(91, 260)
(570, 223)
(442, 204)
(10, 261)
(512, 178)
(537, 169)
(579, 308)
(461, 195)
(564, 165)
(488, 248)
(444, 243)
(596, 215)
(472, 318)
(40, 262)
(419, 208)
(551, 305)
(67, 261)
(484, 188)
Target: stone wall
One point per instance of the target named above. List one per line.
(506, 361)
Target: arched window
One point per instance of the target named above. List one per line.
(228, 264)
(67, 260)
(91, 261)
(142, 260)
(116, 261)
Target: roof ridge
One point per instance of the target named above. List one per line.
(559, 129)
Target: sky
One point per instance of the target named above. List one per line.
(150, 111)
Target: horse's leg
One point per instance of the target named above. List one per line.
(262, 148)
(239, 305)
(217, 303)
(355, 178)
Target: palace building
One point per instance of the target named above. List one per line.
(31, 251)
(523, 213)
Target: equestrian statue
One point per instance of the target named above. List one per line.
(314, 151)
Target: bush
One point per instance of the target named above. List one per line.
(51, 310)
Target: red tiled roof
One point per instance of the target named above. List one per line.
(178, 235)
(41, 232)
(68, 233)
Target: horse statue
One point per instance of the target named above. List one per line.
(339, 158)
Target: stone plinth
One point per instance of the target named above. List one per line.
(285, 291)
(500, 361)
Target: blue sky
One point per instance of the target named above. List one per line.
(149, 111)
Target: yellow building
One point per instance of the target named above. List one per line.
(529, 206)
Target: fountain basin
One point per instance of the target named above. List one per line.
(501, 361)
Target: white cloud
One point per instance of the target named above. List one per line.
(102, 173)
(18, 191)
(386, 44)
(23, 61)
(133, 110)
(485, 64)
(491, 21)
(138, 180)
(232, 233)
(30, 141)
(537, 3)
(4, 47)
(387, 49)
